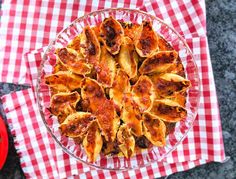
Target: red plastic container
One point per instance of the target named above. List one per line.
(3, 143)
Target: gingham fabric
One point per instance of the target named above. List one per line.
(27, 25)
(40, 156)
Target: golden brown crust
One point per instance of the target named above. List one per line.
(93, 92)
(107, 119)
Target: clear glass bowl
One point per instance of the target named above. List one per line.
(146, 156)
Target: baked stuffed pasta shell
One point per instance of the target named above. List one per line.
(77, 124)
(168, 110)
(159, 62)
(128, 58)
(146, 41)
(90, 46)
(154, 130)
(72, 61)
(64, 81)
(93, 142)
(112, 34)
(143, 93)
(126, 140)
(121, 86)
(63, 104)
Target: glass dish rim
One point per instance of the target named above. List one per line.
(48, 48)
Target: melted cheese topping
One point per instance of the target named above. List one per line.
(93, 92)
(107, 119)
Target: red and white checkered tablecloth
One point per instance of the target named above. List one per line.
(32, 25)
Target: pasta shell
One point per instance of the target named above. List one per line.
(131, 115)
(126, 141)
(169, 84)
(93, 142)
(112, 34)
(107, 119)
(63, 104)
(159, 62)
(168, 110)
(106, 70)
(120, 87)
(93, 92)
(146, 42)
(71, 60)
(76, 124)
(64, 81)
(154, 130)
(143, 93)
(75, 44)
(128, 58)
(130, 30)
(90, 46)
(59, 67)
(163, 44)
